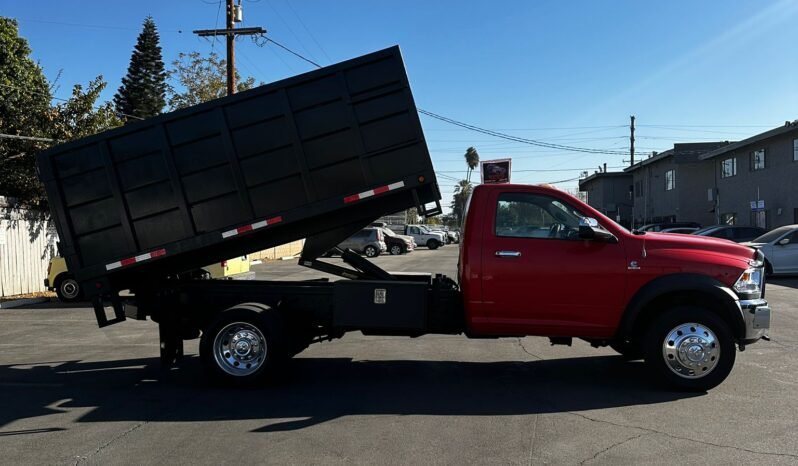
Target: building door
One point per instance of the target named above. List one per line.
(759, 219)
(795, 215)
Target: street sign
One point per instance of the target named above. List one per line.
(757, 206)
(495, 171)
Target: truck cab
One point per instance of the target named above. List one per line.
(537, 261)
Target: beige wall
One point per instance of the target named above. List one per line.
(285, 250)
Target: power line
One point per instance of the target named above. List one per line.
(308, 31)
(30, 91)
(532, 142)
(269, 39)
(26, 138)
(290, 30)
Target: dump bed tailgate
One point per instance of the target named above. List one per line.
(263, 167)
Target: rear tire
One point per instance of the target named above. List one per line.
(433, 244)
(67, 289)
(397, 250)
(371, 251)
(244, 345)
(690, 348)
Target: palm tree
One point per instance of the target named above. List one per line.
(461, 192)
(472, 160)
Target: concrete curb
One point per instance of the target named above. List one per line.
(22, 302)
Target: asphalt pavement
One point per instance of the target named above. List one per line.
(71, 393)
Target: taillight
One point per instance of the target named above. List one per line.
(379, 236)
(49, 268)
(224, 264)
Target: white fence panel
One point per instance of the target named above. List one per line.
(27, 243)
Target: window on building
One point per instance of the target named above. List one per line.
(795, 150)
(758, 160)
(670, 180)
(729, 218)
(728, 167)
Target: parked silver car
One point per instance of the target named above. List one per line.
(780, 247)
(368, 241)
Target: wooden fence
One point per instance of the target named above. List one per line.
(27, 242)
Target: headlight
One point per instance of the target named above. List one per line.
(749, 284)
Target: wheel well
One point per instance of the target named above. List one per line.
(653, 308)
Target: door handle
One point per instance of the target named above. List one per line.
(508, 254)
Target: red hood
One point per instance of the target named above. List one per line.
(724, 251)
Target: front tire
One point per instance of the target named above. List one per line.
(433, 244)
(396, 250)
(67, 289)
(690, 348)
(243, 345)
(371, 251)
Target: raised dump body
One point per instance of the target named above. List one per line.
(323, 152)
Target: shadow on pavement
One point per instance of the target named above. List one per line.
(787, 281)
(314, 390)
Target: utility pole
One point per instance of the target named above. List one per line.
(231, 50)
(632, 140)
(234, 15)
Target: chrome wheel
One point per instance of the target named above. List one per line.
(691, 350)
(239, 349)
(69, 288)
(371, 251)
(396, 250)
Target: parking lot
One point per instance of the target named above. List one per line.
(72, 393)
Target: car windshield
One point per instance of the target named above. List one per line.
(705, 230)
(772, 235)
(423, 228)
(388, 232)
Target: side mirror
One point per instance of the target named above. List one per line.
(784, 242)
(589, 229)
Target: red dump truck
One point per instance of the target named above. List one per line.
(321, 155)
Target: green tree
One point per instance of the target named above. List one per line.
(472, 160)
(143, 90)
(81, 116)
(459, 199)
(24, 101)
(195, 79)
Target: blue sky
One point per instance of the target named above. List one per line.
(566, 72)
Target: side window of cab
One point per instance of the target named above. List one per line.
(530, 215)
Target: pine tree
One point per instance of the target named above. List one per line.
(143, 90)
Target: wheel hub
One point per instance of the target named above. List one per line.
(239, 349)
(691, 350)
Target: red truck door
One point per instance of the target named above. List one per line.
(539, 277)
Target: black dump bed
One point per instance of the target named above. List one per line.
(338, 146)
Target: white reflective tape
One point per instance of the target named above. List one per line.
(366, 194)
(228, 234)
(113, 266)
(396, 185)
(260, 224)
(142, 257)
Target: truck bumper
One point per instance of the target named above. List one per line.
(756, 314)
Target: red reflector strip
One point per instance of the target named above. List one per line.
(135, 260)
(252, 226)
(374, 192)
